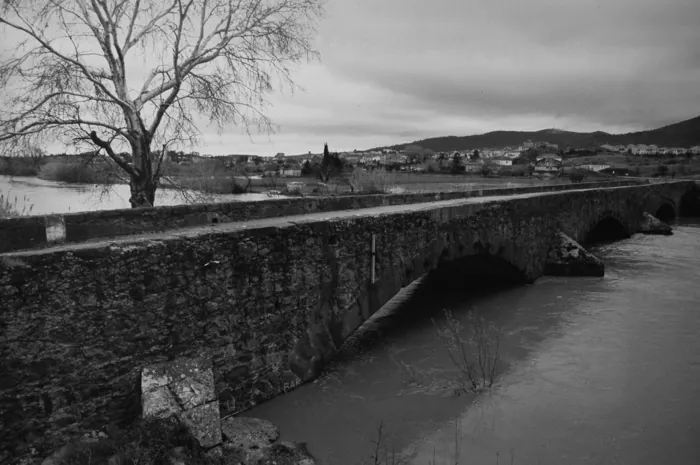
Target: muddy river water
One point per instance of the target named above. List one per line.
(595, 371)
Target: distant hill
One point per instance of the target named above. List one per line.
(683, 134)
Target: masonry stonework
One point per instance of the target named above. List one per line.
(34, 231)
(270, 304)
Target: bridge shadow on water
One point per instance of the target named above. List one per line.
(400, 369)
(484, 285)
(393, 369)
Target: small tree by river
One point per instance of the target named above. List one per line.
(474, 350)
(9, 207)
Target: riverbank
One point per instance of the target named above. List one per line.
(40, 197)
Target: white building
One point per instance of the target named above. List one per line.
(640, 149)
(290, 173)
(548, 163)
(592, 167)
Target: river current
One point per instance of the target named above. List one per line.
(595, 371)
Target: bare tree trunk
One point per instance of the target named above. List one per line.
(143, 192)
(143, 184)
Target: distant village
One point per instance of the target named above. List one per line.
(540, 157)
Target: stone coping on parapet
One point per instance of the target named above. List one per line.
(34, 232)
(269, 225)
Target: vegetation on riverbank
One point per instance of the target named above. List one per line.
(635, 165)
(147, 442)
(385, 454)
(9, 206)
(19, 166)
(75, 173)
(204, 178)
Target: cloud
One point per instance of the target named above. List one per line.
(400, 70)
(394, 71)
(621, 64)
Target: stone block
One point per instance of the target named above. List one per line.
(246, 433)
(184, 388)
(204, 423)
(159, 403)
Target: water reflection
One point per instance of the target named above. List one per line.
(48, 197)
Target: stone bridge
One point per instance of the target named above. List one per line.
(269, 300)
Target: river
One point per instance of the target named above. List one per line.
(47, 197)
(596, 371)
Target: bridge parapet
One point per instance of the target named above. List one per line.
(42, 231)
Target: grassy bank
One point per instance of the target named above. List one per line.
(18, 166)
(213, 177)
(679, 166)
(9, 206)
(76, 172)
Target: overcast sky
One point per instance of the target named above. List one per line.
(394, 71)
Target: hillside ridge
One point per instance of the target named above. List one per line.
(682, 134)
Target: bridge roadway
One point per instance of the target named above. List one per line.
(294, 220)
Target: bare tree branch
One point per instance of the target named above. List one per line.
(75, 69)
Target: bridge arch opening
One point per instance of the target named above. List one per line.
(482, 272)
(690, 204)
(666, 213)
(608, 229)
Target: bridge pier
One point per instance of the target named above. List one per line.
(652, 225)
(568, 258)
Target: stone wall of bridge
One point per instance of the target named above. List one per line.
(269, 305)
(41, 231)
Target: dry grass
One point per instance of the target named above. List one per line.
(148, 442)
(9, 206)
(383, 454)
(371, 182)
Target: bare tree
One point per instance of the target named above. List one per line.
(127, 74)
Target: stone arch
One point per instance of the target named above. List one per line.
(475, 269)
(665, 212)
(689, 204)
(661, 206)
(455, 261)
(606, 227)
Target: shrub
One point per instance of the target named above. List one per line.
(73, 172)
(18, 166)
(576, 178)
(148, 442)
(10, 209)
(474, 351)
(371, 182)
(431, 166)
